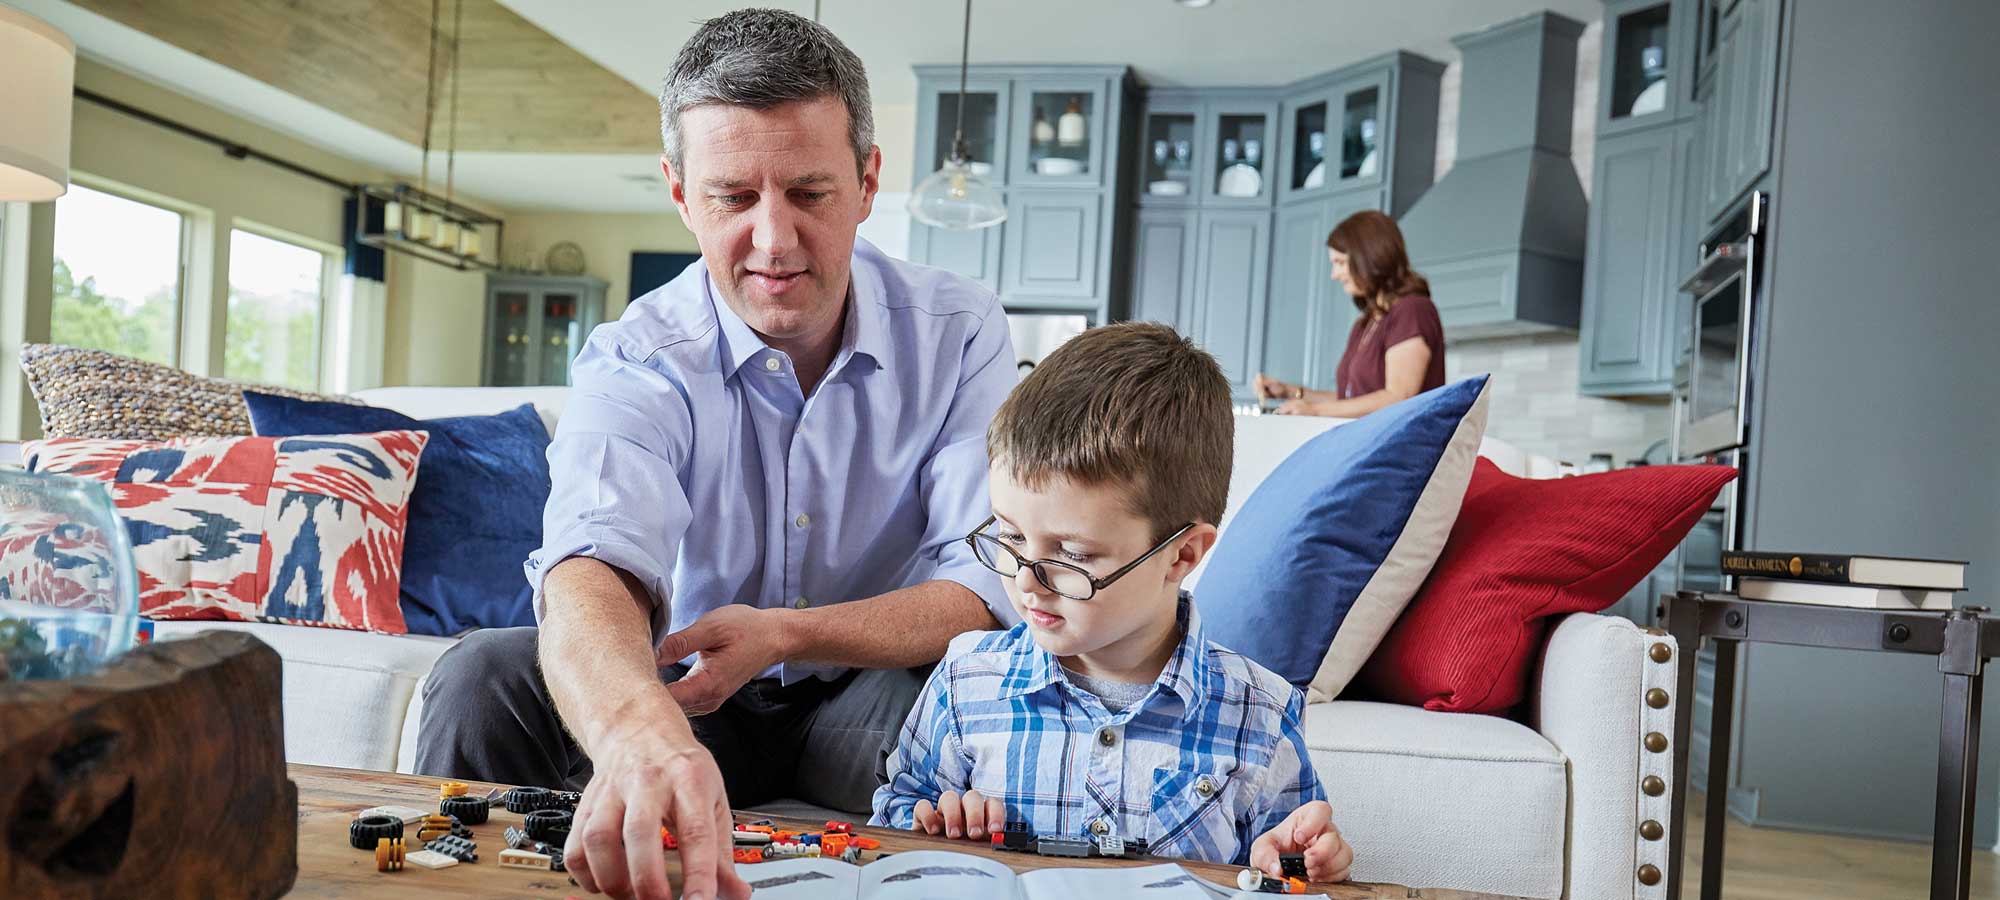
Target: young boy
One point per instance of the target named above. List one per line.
(1105, 713)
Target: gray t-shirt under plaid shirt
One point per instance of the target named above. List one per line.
(1116, 694)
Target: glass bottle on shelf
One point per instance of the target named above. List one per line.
(1072, 129)
(1044, 132)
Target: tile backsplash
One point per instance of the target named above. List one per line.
(1536, 406)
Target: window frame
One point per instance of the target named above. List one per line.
(183, 255)
(333, 261)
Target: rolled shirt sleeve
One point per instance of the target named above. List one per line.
(954, 475)
(614, 466)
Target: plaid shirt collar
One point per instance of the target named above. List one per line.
(1185, 676)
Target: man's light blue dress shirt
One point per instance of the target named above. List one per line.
(687, 456)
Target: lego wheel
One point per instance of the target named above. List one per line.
(541, 823)
(367, 830)
(470, 810)
(528, 799)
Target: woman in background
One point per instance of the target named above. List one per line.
(1396, 348)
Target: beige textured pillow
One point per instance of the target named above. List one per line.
(95, 394)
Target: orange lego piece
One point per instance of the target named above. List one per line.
(865, 843)
(1295, 886)
(452, 789)
(777, 836)
(747, 855)
(667, 841)
(760, 829)
(832, 843)
(388, 854)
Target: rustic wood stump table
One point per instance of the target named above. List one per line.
(330, 869)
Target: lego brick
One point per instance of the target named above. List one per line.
(403, 814)
(389, 855)
(517, 839)
(746, 855)
(461, 849)
(1110, 845)
(452, 789)
(429, 859)
(523, 859)
(1062, 846)
(751, 837)
(1292, 865)
(865, 843)
(838, 827)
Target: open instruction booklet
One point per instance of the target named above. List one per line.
(943, 875)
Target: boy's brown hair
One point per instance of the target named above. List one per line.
(1133, 404)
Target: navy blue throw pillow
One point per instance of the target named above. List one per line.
(475, 515)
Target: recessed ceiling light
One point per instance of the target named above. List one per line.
(1194, 4)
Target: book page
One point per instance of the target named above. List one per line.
(801, 879)
(935, 875)
(1166, 881)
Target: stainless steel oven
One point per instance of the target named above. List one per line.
(1713, 402)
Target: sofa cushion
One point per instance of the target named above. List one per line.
(475, 515)
(94, 394)
(298, 530)
(1443, 800)
(1328, 550)
(1524, 551)
(346, 693)
(435, 402)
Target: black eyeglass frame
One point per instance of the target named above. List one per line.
(1035, 565)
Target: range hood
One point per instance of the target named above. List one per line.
(1501, 237)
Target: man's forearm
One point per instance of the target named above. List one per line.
(902, 628)
(597, 652)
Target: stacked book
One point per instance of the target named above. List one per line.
(1869, 582)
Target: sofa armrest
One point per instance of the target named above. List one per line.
(1594, 701)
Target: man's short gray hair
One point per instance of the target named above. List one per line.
(761, 58)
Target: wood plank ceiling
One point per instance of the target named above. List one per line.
(520, 90)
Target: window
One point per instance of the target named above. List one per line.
(277, 294)
(117, 283)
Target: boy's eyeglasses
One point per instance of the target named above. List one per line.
(1064, 579)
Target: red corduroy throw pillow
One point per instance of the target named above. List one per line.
(1522, 552)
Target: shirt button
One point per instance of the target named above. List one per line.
(803, 520)
(1099, 827)
(1106, 738)
(801, 603)
(771, 363)
(1205, 787)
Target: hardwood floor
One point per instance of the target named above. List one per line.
(1774, 864)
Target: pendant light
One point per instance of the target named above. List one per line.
(953, 197)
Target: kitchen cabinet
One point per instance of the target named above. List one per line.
(1163, 267)
(1740, 102)
(1245, 272)
(534, 326)
(1232, 261)
(1054, 139)
(1644, 76)
(1630, 277)
(1054, 253)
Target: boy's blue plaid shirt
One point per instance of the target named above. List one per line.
(1206, 762)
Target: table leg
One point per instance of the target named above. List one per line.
(1719, 728)
(1958, 769)
(1684, 622)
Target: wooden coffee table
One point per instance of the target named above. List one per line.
(329, 868)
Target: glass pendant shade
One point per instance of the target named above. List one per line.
(954, 198)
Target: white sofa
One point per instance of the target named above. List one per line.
(1552, 808)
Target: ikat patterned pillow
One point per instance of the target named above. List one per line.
(290, 530)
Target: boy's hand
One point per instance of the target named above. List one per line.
(971, 816)
(1308, 830)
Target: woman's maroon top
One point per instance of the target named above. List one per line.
(1362, 368)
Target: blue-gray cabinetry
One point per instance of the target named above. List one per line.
(1236, 189)
(1738, 96)
(1055, 140)
(1640, 238)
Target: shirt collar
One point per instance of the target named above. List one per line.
(862, 335)
(1185, 675)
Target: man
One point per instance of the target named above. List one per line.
(776, 454)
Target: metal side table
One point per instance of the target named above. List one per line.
(1962, 640)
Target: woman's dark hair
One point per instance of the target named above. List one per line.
(1376, 260)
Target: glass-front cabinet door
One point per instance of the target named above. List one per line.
(1170, 145)
(1307, 149)
(1639, 71)
(1240, 152)
(1059, 133)
(985, 127)
(1363, 136)
(508, 334)
(562, 331)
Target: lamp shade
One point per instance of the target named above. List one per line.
(38, 67)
